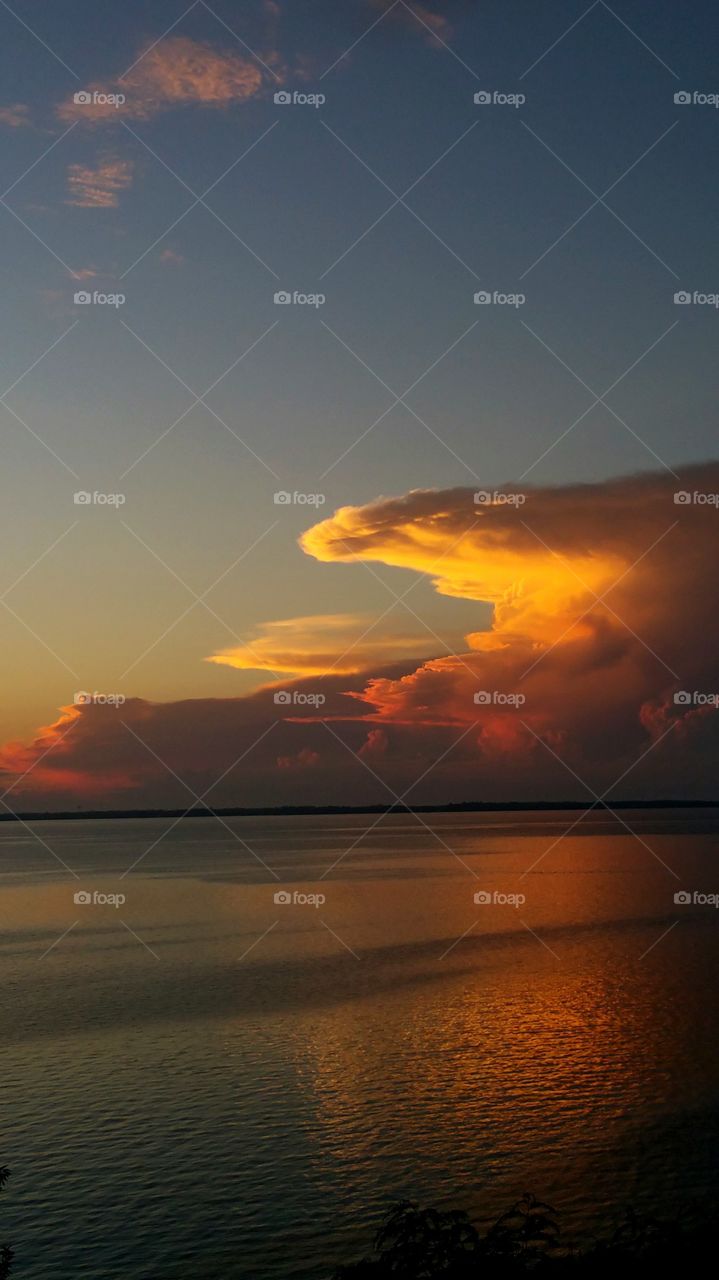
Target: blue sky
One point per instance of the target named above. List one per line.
(499, 198)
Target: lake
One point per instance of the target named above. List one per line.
(199, 1080)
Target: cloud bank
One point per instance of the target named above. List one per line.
(601, 654)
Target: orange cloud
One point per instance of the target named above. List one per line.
(603, 601)
(176, 72)
(304, 759)
(68, 772)
(539, 557)
(593, 679)
(98, 188)
(97, 750)
(342, 643)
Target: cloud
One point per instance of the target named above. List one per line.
(432, 18)
(98, 751)
(322, 644)
(176, 72)
(304, 759)
(564, 676)
(98, 188)
(171, 258)
(596, 676)
(15, 116)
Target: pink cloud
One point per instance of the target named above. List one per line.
(99, 187)
(15, 116)
(171, 258)
(176, 72)
(412, 14)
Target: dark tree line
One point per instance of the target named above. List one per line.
(416, 1243)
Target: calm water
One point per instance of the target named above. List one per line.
(203, 1082)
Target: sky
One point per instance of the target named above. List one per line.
(286, 284)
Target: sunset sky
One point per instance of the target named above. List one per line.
(382, 586)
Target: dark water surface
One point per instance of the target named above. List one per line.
(201, 1081)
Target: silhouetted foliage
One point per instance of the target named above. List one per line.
(6, 1253)
(528, 1231)
(415, 1243)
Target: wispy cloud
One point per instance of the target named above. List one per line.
(98, 188)
(171, 258)
(342, 643)
(430, 16)
(15, 116)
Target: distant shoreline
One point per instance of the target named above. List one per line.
(308, 810)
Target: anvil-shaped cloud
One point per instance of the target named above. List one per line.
(604, 608)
